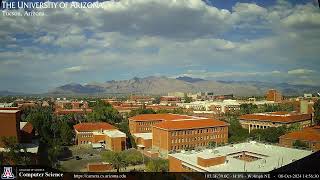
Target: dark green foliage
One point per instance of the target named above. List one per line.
(156, 100)
(104, 112)
(248, 108)
(157, 165)
(235, 132)
(317, 112)
(54, 131)
(124, 127)
(68, 106)
(16, 155)
(300, 144)
(141, 111)
(187, 99)
(270, 134)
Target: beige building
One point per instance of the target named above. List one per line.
(274, 119)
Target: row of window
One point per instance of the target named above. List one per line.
(85, 142)
(189, 146)
(198, 131)
(145, 129)
(147, 123)
(182, 140)
(258, 126)
(86, 135)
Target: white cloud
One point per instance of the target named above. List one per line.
(159, 36)
(300, 71)
(75, 69)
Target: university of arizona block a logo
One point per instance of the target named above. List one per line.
(7, 173)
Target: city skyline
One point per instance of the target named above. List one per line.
(274, 41)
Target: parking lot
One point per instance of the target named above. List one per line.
(81, 156)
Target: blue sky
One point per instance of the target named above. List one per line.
(272, 41)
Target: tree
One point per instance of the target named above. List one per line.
(105, 112)
(156, 100)
(157, 165)
(68, 106)
(53, 131)
(236, 132)
(300, 144)
(317, 112)
(248, 108)
(117, 159)
(13, 154)
(270, 134)
(141, 111)
(133, 157)
(66, 133)
(187, 99)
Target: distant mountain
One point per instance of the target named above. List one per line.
(9, 93)
(162, 85)
(78, 89)
(189, 79)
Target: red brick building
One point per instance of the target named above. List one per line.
(310, 136)
(10, 124)
(142, 123)
(102, 134)
(187, 134)
(274, 95)
(169, 100)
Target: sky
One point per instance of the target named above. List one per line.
(268, 41)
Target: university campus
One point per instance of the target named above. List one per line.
(163, 86)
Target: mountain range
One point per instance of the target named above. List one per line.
(153, 85)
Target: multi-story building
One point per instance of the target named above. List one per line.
(143, 123)
(274, 119)
(177, 94)
(100, 134)
(310, 136)
(139, 100)
(242, 157)
(169, 100)
(10, 124)
(217, 107)
(72, 107)
(274, 95)
(179, 135)
(23, 132)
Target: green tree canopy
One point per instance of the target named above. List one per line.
(105, 112)
(136, 112)
(317, 112)
(300, 144)
(157, 165)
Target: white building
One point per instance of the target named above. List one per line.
(242, 157)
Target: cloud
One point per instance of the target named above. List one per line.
(146, 37)
(300, 71)
(75, 69)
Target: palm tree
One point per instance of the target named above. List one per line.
(118, 161)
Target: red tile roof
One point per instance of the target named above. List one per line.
(93, 126)
(164, 117)
(28, 128)
(190, 124)
(308, 134)
(280, 117)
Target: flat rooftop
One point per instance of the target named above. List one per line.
(143, 135)
(111, 133)
(266, 157)
(9, 111)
